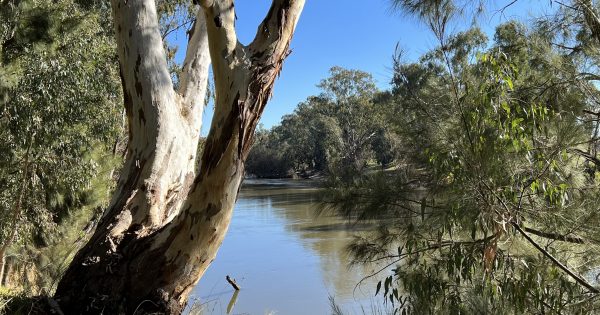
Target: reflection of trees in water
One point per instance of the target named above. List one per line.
(326, 235)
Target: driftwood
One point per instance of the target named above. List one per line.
(232, 282)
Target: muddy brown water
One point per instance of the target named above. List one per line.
(286, 259)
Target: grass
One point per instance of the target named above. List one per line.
(12, 302)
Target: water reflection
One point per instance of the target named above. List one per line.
(286, 259)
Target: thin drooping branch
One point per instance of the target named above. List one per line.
(564, 268)
(430, 247)
(537, 246)
(555, 236)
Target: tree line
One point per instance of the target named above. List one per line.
(341, 131)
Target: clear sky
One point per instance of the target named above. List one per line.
(357, 34)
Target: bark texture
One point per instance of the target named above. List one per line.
(165, 223)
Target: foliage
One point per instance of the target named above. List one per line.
(495, 210)
(266, 160)
(58, 121)
(336, 132)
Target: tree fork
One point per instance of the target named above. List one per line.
(147, 254)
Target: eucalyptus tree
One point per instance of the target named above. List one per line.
(349, 96)
(333, 131)
(267, 158)
(52, 132)
(165, 222)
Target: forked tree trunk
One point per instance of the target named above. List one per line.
(165, 224)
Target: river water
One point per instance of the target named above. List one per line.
(286, 259)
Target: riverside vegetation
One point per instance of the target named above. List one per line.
(478, 166)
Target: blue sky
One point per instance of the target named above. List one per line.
(357, 34)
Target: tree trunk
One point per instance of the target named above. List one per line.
(2, 266)
(165, 224)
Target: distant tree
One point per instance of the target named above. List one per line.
(266, 159)
(332, 132)
(384, 147)
(350, 96)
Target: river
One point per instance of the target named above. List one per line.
(286, 259)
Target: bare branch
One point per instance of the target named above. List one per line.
(220, 22)
(555, 236)
(564, 268)
(194, 77)
(279, 24)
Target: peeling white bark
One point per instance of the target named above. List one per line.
(165, 224)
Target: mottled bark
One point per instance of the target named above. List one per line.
(164, 127)
(165, 223)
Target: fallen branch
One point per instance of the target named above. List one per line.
(233, 283)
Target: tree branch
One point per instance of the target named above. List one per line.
(220, 22)
(555, 236)
(591, 18)
(194, 77)
(585, 155)
(517, 227)
(141, 54)
(564, 268)
(278, 24)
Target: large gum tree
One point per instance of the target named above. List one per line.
(165, 222)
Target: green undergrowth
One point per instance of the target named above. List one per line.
(12, 302)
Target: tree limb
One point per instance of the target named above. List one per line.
(194, 77)
(591, 18)
(564, 268)
(220, 22)
(555, 236)
(586, 155)
(279, 23)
